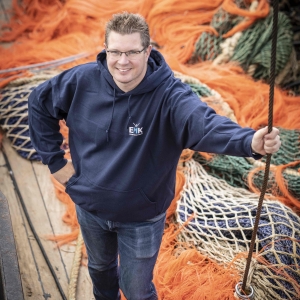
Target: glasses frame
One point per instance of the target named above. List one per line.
(125, 52)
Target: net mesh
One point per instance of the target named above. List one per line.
(254, 46)
(207, 46)
(14, 112)
(221, 228)
(236, 170)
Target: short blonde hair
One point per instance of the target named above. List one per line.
(128, 23)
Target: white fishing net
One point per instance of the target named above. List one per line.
(222, 226)
(14, 111)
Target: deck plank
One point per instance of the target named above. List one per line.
(55, 210)
(46, 211)
(32, 257)
(29, 275)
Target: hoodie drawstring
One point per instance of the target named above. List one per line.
(129, 113)
(112, 115)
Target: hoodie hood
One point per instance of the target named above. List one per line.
(157, 72)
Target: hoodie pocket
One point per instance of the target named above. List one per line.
(111, 204)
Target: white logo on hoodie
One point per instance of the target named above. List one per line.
(136, 130)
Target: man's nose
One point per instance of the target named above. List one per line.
(123, 58)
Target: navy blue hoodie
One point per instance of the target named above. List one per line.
(125, 146)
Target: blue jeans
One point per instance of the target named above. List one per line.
(134, 245)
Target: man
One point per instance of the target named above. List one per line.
(129, 120)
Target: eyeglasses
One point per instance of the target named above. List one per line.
(129, 54)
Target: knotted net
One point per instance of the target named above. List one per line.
(284, 177)
(220, 219)
(14, 112)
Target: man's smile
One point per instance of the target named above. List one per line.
(123, 70)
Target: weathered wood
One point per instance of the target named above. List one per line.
(38, 283)
(10, 281)
(55, 210)
(46, 211)
(28, 272)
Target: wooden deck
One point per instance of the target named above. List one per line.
(45, 212)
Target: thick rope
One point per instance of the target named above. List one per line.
(75, 268)
(48, 64)
(268, 161)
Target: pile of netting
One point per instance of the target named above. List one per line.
(221, 49)
(290, 79)
(221, 31)
(217, 217)
(250, 49)
(284, 177)
(221, 228)
(14, 112)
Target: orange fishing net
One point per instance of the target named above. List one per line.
(249, 100)
(44, 30)
(53, 29)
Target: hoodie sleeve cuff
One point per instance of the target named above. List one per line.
(248, 143)
(57, 165)
(256, 155)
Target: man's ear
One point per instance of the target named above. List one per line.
(149, 50)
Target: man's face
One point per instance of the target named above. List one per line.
(127, 72)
